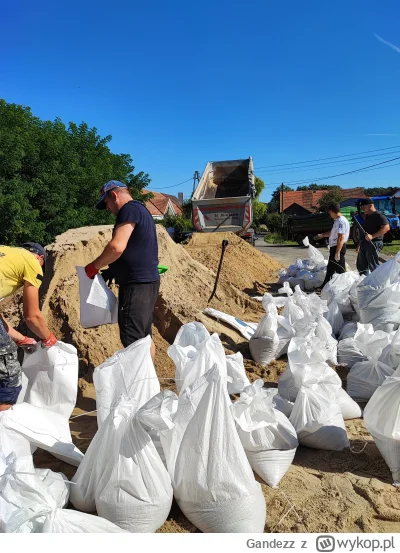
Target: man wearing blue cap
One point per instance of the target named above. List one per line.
(20, 267)
(132, 258)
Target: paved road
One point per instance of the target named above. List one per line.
(287, 255)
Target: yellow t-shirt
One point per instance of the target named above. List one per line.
(16, 266)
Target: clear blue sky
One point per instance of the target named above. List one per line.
(178, 83)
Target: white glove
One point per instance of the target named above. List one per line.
(337, 256)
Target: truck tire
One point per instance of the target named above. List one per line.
(356, 234)
(388, 237)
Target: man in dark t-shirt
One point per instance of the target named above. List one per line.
(132, 257)
(375, 225)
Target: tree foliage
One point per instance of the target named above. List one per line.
(316, 187)
(259, 212)
(260, 185)
(51, 175)
(380, 191)
(334, 196)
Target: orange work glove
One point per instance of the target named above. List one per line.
(50, 341)
(91, 271)
(27, 344)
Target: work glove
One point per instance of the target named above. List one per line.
(27, 344)
(337, 256)
(50, 341)
(317, 237)
(91, 271)
(108, 276)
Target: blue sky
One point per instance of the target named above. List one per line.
(179, 83)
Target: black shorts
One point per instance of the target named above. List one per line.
(136, 303)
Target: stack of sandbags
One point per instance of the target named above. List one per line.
(268, 438)
(381, 417)
(308, 273)
(365, 344)
(212, 480)
(391, 352)
(379, 296)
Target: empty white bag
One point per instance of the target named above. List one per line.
(129, 372)
(245, 329)
(237, 378)
(98, 304)
(212, 480)
(52, 375)
(382, 419)
(268, 438)
(365, 377)
(315, 257)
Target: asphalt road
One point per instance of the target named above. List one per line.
(288, 255)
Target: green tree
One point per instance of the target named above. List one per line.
(259, 212)
(334, 196)
(260, 185)
(380, 191)
(274, 204)
(51, 175)
(316, 187)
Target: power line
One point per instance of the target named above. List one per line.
(335, 164)
(362, 169)
(326, 158)
(174, 185)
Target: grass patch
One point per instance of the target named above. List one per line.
(392, 248)
(276, 238)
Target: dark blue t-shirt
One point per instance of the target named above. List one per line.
(139, 261)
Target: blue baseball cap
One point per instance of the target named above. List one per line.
(36, 248)
(105, 189)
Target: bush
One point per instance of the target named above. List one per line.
(262, 229)
(276, 238)
(178, 223)
(274, 221)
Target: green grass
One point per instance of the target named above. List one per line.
(276, 238)
(392, 248)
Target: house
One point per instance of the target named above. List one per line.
(306, 201)
(163, 204)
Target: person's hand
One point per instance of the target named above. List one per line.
(108, 276)
(368, 237)
(318, 237)
(50, 341)
(27, 344)
(91, 271)
(337, 256)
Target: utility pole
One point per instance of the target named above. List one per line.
(282, 205)
(195, 178)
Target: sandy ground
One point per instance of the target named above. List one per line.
(323, 491)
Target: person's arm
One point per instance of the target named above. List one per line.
(32, 314)
(13, 334)
(339, 246)
(114, 249)
(383, 230)
(324, 235)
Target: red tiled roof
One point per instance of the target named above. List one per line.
(159, 203)
(309, 198)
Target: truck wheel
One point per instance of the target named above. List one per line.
(388, 237)
(356, 235)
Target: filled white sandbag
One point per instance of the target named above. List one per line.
(57, 483)
(348, 330)
(98, 304)
(315, 257)
(212, 480)
(52, 378)
(192, 362)
(348, 407)
(237, 377)
(97, 464)
(264, 343)
(292, 311)
(278, 402)
(316, 414)
(137, 495)
(365, 377)
(366, 344)
(268, 438)
(323, 331)
(285, 333)
(391, 352)
(245, 329)
(382, 419)
(379, 296)
(191, 334)
(129, 372)
(28, 505)
(44, 429)
(349, 353)
(334, 317)
(285, 288)
(338, 289)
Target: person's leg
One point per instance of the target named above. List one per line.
(330, 269)
(362, 261)
(10, 371)
(372, 256)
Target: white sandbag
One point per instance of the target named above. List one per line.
(44, 429)
(57, 484)
(27, 505)
(316, 414)
(348, 330)
(285, 333)
(191, 362)
(129, 372)
(245, 329)
(268, 438)
(391, 353)
(278, 402)
(98, 304)
(348, 407)
(264, 343)
(137, 496)
(335, 317)
(381, 417)
(52, 378)
(314, 256)
(379, 295)
(212, 480)
(191, 334)
(338, 289)
(285, 289)
(237, 377)
(349, 353)
(323, 332)
(365, 377)
(292, 311)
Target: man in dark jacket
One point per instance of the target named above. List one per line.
(132, 257)
(375, 225)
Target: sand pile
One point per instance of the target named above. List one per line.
(244, 266)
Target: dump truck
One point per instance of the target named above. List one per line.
(222, 201)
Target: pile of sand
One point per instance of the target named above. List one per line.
(243, 266)
(324, 491)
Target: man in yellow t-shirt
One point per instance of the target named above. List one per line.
(20, 267)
